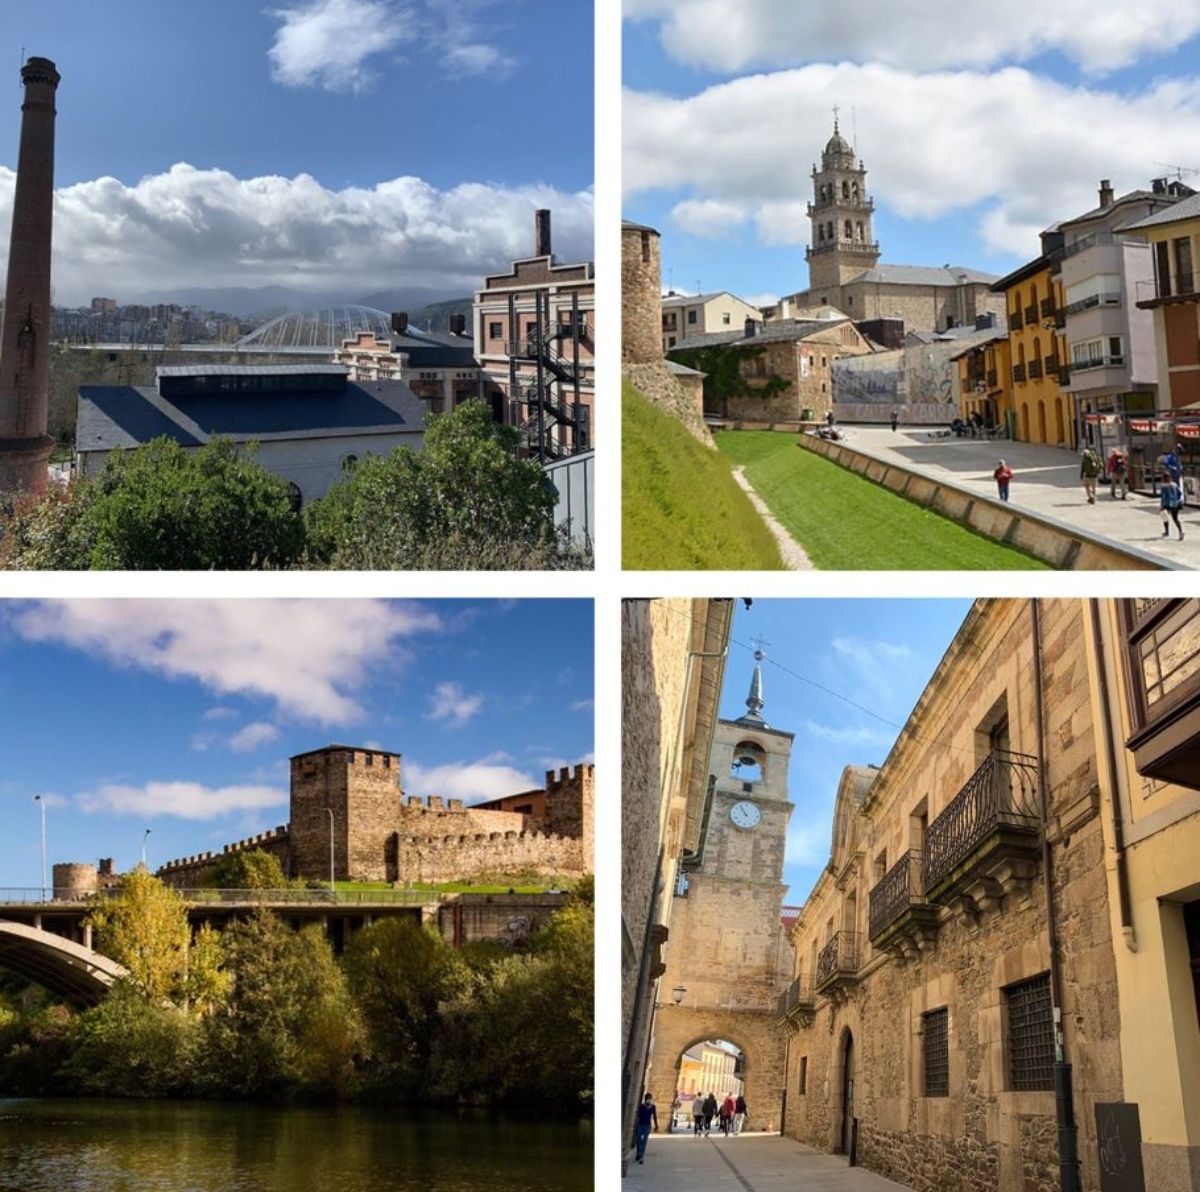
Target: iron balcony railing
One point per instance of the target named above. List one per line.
(1183, 288)
(1014, 320)
(1051, 363)
(991, 378)
(1093, 300)
(839, 957)
(1098, 362)
(1031, 314)
(1048, 308)
(1035, 369)
(1060, 318)
(798, 993)
(1002, 793)
(895, 892)
(1018, 372)
(1084, 243)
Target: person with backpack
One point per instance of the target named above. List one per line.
(1089, 471)
(1003, 477)
(698, 1115)
(727, 1111)
(1170, 499)
(710, 1112)
(1118, 472)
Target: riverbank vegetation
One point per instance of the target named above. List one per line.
(265, 1012)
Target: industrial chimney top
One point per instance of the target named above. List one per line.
(40, 70)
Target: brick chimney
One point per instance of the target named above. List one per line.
(541, 233)
(1106, 193)
(25, 337)
(400, 321)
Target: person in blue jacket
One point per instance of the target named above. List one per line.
(1170, 499)
(647, 1113)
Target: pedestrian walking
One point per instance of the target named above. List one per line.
(710, 1112)
(697, 1116)
(647, 1113)
(829, 419)
(1170, 499)
(1090, 468)
(1003, 477)
(1172, 463)
(1118, 472)
(895, 417)
(728, 1108)
(739, 1114)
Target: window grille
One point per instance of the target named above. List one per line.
(1030, 1035)
(936, 1030)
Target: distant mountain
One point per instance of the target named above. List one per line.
(409, 300)
(244, 301)
(436, 316)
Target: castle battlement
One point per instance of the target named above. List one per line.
(569, 776)
(275, 837)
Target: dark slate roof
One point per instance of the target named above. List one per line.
(1132, 197)
(637, 227)
(1188, 208)
(682, 370)
(780, 330)
(113, 416)
(251, 370)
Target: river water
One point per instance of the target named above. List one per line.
(191, 1146)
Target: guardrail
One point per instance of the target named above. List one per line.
(34, 896)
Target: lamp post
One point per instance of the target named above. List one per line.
(329, 812)
(42, 804)
(677, 994)
(145, 837)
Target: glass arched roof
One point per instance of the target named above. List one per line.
(326, 327)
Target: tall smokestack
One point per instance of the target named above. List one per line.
(541, 233)
(25, 338)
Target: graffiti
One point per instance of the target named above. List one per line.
(920, 373)
(1119, 1143)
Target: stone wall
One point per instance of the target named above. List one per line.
(193, 870)
(478, 854)
(641, 295)
(655, 383)
(570, 806)
(911, 414)
(506, 918)
(984, 1134)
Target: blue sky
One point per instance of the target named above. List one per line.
(877, 653)
(971, 126)
(352, 93)
(179, 716)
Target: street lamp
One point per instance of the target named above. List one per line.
(145, 837)
(329, 812)
(42, 803)
(677, 993)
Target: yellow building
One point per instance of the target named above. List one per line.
(1145, 658)
(1033, 297)
(985, 384)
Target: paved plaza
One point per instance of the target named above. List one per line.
(749, 1163)
(1045, 481)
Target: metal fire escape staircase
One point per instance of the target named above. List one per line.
(556, 424)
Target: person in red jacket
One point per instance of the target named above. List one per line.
(1003, 477)
(728, 1108)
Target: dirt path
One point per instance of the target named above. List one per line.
(794, 558)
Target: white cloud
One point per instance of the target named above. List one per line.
(583, 705)
(475, 782)
(861, 735)
(309, 656)
(185, 800)
(934, 144)
(52, 800)
(922, 34)
(326, 43)
(450, 703)
(219, 713)
(206, 227)
(253, 736)
(710, 219)
(478, 58)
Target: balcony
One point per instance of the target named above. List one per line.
(1049, 310)
(1031, 314)
(1052, 368)
(1166, 291)
(1098, 362)
(992, 379)
(901, 921)
(867, 206)
(1094, 300)
(837, 966)
(1035, 369)
(985, 843)
(795, 1004)
(845, 246)
(1060, 319)
(1018, 371)
(1014, 320)
(1064, 376)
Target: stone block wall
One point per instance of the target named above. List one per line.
(192, 871)
(641, 296)
(570, 805)
(467, 855)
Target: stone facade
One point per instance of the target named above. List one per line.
(641, 295)
(934, 923)
(378, 834)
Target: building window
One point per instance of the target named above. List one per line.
(495, 331)
(692, 317)
(671, 342)
(645, 248)
(387, 762)
(1183, 266)
(725, 318)
(849, 231)
(802, 1088)
(935, 1027)
(1030, 1035)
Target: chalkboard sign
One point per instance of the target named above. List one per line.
(1119, 1138)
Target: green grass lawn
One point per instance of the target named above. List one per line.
(681, 508)
(847, 523)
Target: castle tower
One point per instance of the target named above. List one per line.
(25, 337)
(570, 805)
(641, 295)
(727, 950)
(361, 787)
(842, 243)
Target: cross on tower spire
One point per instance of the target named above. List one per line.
(754, 701)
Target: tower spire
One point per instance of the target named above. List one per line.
(754, 701)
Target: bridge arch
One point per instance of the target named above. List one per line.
(74, 972)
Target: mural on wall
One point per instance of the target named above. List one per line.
(917, 374)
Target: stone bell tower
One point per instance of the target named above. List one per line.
(843, 243)
(25, 337)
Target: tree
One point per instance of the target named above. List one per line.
(400, 974)
(464, 501)
(162, 506)
(287, 1024)
(252, 869)
(145, 928)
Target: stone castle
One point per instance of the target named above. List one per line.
(353, 798)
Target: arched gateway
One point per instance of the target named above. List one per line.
(728, 958)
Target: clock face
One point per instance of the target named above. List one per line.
(745, 815)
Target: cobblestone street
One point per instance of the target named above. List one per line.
(749, 1163)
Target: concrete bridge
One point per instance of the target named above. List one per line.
(49, 940)
(71, 970)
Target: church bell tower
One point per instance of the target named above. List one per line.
(842, 244)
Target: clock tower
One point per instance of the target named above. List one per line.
(727, 948)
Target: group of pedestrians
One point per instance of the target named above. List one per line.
(730, 1116)
(1116, 468)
